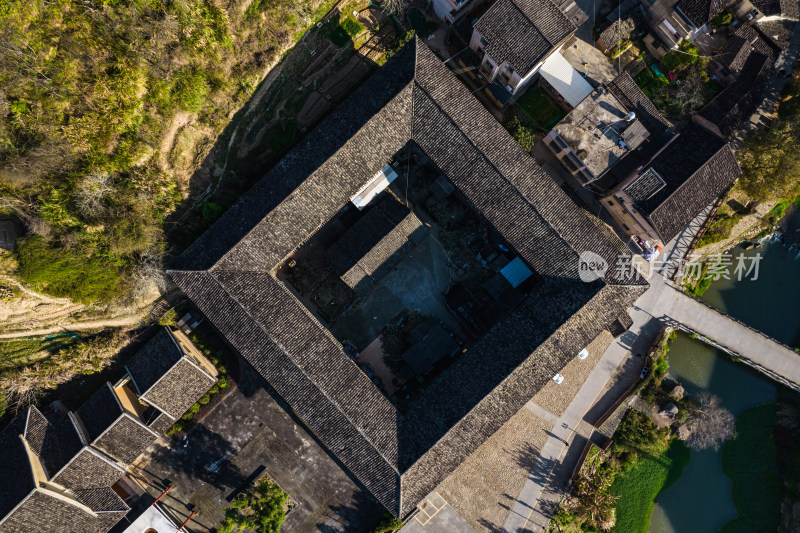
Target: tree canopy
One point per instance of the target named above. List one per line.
(262, 509)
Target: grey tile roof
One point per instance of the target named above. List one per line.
(88, 470)
(698, 166)
(523, 32)
(100, 411)
(165, 377)
(779, 32)
(742, 43)
(786, 8)
(790, 9)
(16, 478)
(125, 439)
(381, 444)
(101, 500)
(161, 424)
(701, 11)
(153, 360)
(625, 89)
(737, 102)
(42, 512)
(621, 29)
(179, 388)
(54, 443)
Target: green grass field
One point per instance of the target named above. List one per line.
(749, 459)
(538, 106)
(17, 353)
(638, 485)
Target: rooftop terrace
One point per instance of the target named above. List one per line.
(600, 132)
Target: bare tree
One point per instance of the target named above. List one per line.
(91, 192)
(393, 7)
(711, 424)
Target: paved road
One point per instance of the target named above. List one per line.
(540, 496)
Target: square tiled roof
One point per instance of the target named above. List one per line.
(697, 167)
(523, 32)
(402, 454)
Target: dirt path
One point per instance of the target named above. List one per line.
(78, 326)
(35, 294)
(179, 121)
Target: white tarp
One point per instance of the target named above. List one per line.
(153, 519)
(566, 80)
(375, 185)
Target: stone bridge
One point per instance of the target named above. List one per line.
(675, 308)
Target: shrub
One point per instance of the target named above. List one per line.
(524, 136)
(210, 212)
(387, 524)
(190, 90)
(262, 509)
(194, 409)
(176, 427)
(721, 19)
(67, 273)
(222, 382)
(637, 434)
(204, 399)
(170, 318)
(687, 54)
(352, 26)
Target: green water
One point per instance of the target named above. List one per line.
(700, 501)
(769, 303)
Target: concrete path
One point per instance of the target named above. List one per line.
(436, 516)
(613, 374)
(765, 354)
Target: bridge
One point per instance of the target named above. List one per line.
(672, 306)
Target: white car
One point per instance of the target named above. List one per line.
(584, 354)
(558, 378)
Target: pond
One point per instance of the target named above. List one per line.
(700, 501)
(769, 303)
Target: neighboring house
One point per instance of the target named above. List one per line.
(451, 11)
(727, 111)
(779, 32)
(621, 30)
(513, 39)
(411, 109)
(170, 374)
(52, 480)
(63, 473)
(604, 128)
(664, 194)
(676, 20)
(746, 40)
(652, 181)
(767, 10)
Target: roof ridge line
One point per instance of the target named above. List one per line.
(679, 187)
(494, 166)
(324, 393)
